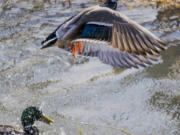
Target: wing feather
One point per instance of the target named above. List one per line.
(124, 39)
(130, 40)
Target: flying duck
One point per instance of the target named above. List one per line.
(28, 117)
(100, 31)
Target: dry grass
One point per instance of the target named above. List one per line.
(160, 3)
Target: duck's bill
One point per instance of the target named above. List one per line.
(46, 120)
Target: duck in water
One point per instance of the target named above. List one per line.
(28, 117)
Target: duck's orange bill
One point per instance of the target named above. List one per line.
(76, 48)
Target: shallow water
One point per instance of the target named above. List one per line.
(72, 91)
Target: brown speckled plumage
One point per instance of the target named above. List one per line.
(10, 130)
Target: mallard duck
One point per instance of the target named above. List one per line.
(28, 117)
(102, 32)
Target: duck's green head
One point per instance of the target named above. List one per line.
(32, 114)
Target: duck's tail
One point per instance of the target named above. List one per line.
(49, 41)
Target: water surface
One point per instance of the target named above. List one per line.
(73, 91)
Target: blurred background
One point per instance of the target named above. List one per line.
(85, 96)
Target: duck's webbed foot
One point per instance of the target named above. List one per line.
(76, 48)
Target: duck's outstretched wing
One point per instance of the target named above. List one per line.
(121, 33)
(8, 130)
(112, 56)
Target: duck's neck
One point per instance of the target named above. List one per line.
(31, 130)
